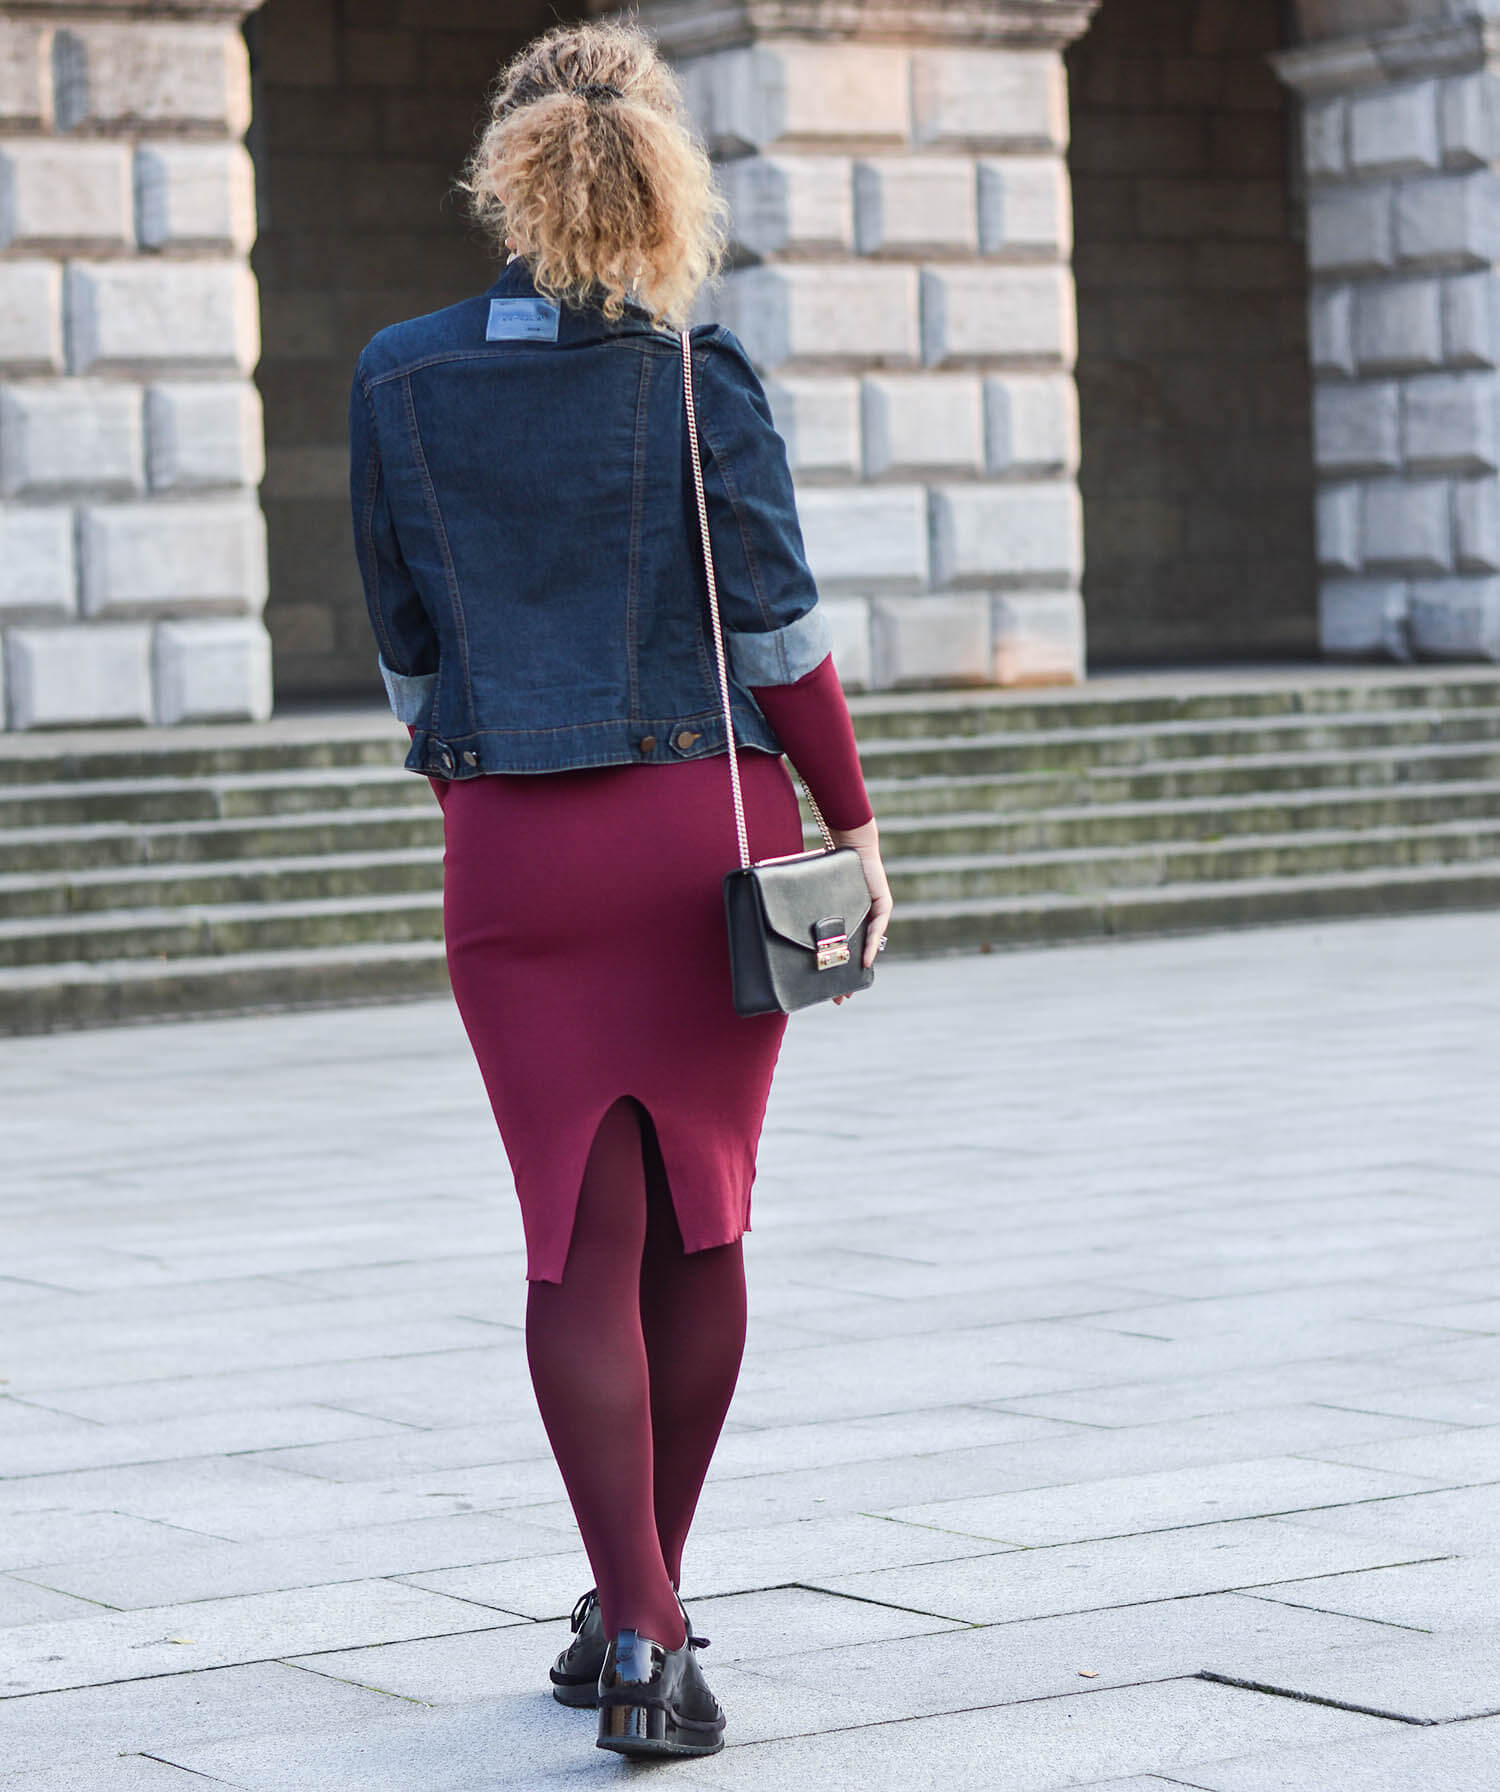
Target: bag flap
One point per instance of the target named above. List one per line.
(797, 893)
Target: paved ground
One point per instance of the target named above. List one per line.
(1120, 1407)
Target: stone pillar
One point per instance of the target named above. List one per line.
(132, 548)
(902, 232)
(1401, 144)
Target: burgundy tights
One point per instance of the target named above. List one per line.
(634, 1356)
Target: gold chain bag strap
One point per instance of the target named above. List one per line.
(797, 924)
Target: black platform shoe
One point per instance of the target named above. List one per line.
(654, 1701)
(575, 1673)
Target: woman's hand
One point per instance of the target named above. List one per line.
(866, 842)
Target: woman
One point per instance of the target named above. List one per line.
(526, 527)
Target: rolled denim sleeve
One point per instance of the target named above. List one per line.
(775, 630)
(408, 644)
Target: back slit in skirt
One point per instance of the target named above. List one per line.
(583, 914)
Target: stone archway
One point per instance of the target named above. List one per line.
(1193, 376)
(359, 132)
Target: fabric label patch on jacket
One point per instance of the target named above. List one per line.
(522, 320)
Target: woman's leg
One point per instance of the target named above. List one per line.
(692, 1306)
(588, 1365)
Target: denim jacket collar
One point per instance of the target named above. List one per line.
(576, 324)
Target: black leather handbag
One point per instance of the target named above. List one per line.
(797, 924)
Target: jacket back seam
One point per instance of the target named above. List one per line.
(516, 351)
(450, 571)
(367, 538)
(705, 429)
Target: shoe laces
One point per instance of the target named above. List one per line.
(581, 1609)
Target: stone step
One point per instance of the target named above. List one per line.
(406, 903)
(318, 876)
(341, 857)
(1185, 779)
(1122, 747)
(50, 997)
(1097, 825)
(144, 800)
(105, 845)
(370, 736)
(1139, 702)
(1081, 870)
(215, 870)
(1126, 746)
(221, 929)
(417, 821)
(986, 925)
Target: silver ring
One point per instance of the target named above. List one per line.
(881, 946)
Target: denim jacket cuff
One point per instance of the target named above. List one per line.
(410, 694)
(780, 655)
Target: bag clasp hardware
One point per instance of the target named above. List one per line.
(833, 946)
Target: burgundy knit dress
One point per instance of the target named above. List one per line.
(583, 914)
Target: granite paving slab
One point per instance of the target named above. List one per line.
(715, 1562)
(1449, 1521)
(519, 1740)
(743, 1628)
(1214, 1558)
(1450, 1403)
(1339, 1382)
(1208, 1314)
(278, 1428)
(1479, 1315)
(477, 1385)
(82, 1726)
(1140, 1782)
(1414, 1677)
(219, 1353)
(768, 1449)
(1456, 1758)
(23, 1603)
(126, 1773)
(1455, 1458)
(242, 1498)
(1444, 1595)
(1034, 1746)
(60, 1533)
(175, 1639)
(1082, 1652)
(215, 1570)
(396, 1451)
(1122, 1506)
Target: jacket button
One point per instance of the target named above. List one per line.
(648, 743)
(685, 739)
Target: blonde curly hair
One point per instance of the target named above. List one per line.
(590, 166)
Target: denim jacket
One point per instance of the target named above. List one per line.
(525, 522)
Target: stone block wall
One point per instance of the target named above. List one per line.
(365, 112)
(1402, 156)
(132, 548)
(901, 239)
(1197, 480)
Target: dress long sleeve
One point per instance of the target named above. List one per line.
(812, 722)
